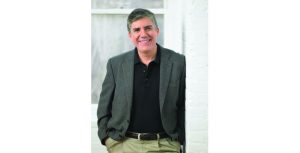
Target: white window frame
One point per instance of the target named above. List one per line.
(173, 22)
(122, 11)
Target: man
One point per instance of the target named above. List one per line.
(142, 102)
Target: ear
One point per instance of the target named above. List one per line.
(129, 34)
(157, 30)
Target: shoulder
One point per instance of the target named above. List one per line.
(173, 56)
(128, 55)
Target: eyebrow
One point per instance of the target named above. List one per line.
(148, 26)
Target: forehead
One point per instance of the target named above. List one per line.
(142, 22)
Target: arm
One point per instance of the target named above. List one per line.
(181, 106)
(105, 103)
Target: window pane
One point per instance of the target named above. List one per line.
(110, 4)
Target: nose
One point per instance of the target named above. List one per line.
(143, 33)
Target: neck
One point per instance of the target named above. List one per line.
(147, 57)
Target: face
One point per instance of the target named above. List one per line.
(143, 33)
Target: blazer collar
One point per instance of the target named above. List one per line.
(128, 73)
(165, 73)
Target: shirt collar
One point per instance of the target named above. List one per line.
(156, 60)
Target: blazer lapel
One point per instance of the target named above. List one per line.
(165, 72)
(127, 68)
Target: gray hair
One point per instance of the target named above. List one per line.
(140, 13)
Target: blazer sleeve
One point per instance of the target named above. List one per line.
(105, 103)
(181, 106)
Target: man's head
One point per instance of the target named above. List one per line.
(138, 14)
(142, 29)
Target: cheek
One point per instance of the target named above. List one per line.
(154, 34)
(133, 40)
(132, 37)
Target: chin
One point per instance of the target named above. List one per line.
(145, 48)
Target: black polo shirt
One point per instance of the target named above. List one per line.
(145, 112)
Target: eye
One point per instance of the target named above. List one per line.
(148, 28)
(136, 30)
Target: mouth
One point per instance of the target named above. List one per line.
(144, 41)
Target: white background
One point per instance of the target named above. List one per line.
(253, 76)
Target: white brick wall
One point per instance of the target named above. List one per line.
(195, 49)
(97, 147)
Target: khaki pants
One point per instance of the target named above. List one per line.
(130, 145)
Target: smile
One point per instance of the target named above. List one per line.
(144, 40)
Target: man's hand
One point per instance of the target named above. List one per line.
(105, 141)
